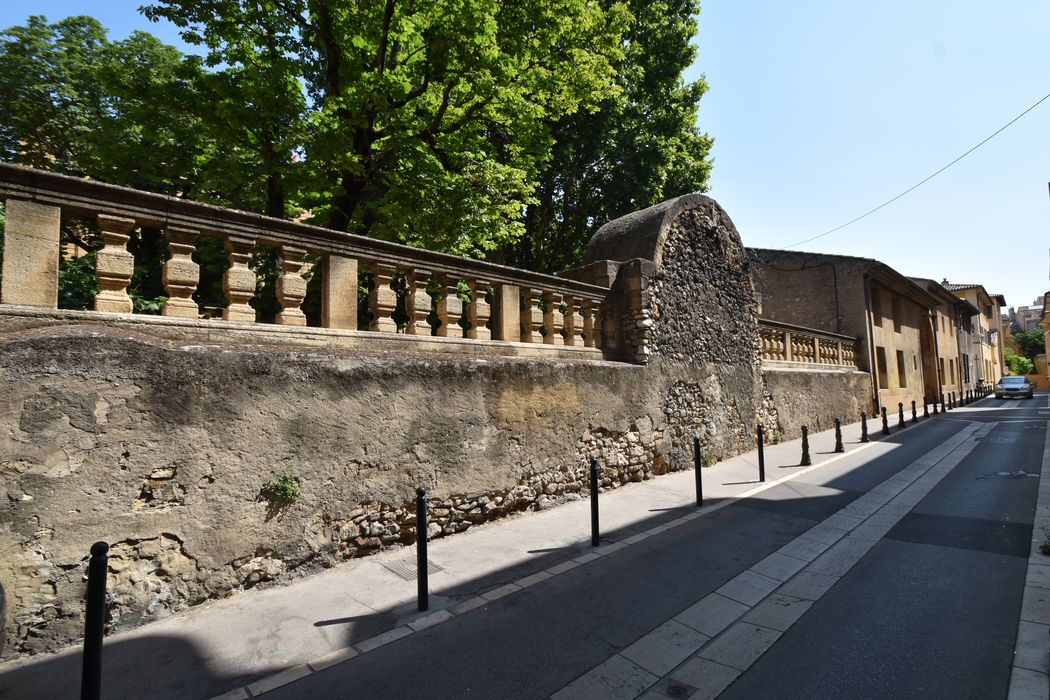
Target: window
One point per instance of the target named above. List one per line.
(902, 380)
(896, 308)
(943, 330)
(940, 369)
(880, 361)
(951, 370)
(914, 362)
(876, 307)
(966, 368)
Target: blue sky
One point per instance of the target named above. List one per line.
(824, 109)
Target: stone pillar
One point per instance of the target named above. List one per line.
(531, 317)
(291, 287)
(478, 311)
(239, 281)
(418, 304)
(180, 274)
(507, 325)
(382, 300)
(339, 292)
(32, 249)
(114, 265)
(450, 310)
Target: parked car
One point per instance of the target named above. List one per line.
(1014, 386)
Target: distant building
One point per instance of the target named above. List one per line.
(889, 314)
(987, 343)
(1026, 318)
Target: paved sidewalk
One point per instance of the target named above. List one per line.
(257, 641)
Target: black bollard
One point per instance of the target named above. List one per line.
(422, 585)
(914, 415)
(806, 461)
(925, 407)
(699, 462)
(94, 623)
(594, 502)
(760, 439)
(944, 406)
(934, 405)
(900, 414)
(885, 423)
(864, 427)
(954, 403)
(838, 436)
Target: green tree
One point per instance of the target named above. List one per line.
(1031, 343)
(638, 148)
(425, 122)
(1017, 364)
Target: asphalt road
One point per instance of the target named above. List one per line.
(930, 610)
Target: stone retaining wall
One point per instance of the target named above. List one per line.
(802, 395)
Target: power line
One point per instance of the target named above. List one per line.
(927, 178)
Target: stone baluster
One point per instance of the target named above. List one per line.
(382, 299)
(180, 274)
(590, 331)
(450, 309)
(114, 265)
(573, 322)
(418, 303)
(553, 319)
(531, 316)
(478, 311)
(506, 299)
(291, 287)
(239, 281)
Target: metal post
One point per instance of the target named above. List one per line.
(699, 462)
(900, 414)
(594, 502)
(422, 587)
(761, 454)
(925, 407)
(944, 405)
(94, 623)
(864, 427)
(934, 405)
(838, 436)
(806, 461)
(914, 415)
(885, 423)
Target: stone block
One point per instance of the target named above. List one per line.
(32, 249)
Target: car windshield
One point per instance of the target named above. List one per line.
(1012, 381)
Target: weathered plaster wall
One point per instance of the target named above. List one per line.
(814, 397)
(163, 450)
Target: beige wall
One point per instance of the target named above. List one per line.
(896, 333)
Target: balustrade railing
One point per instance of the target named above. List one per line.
(410, 291)
(782, 342)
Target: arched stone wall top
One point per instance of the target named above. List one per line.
(642, 234)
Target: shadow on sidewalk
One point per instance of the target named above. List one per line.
(147, 666)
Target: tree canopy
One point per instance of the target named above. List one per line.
(478, 127)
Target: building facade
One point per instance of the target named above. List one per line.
(987, 344)
(888, 314)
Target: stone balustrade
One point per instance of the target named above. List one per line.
(412, 292)
(782, 342)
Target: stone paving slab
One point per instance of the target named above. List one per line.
(708, 677)
(618, 678)
(665, 647)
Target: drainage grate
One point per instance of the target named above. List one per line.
(406, 568)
